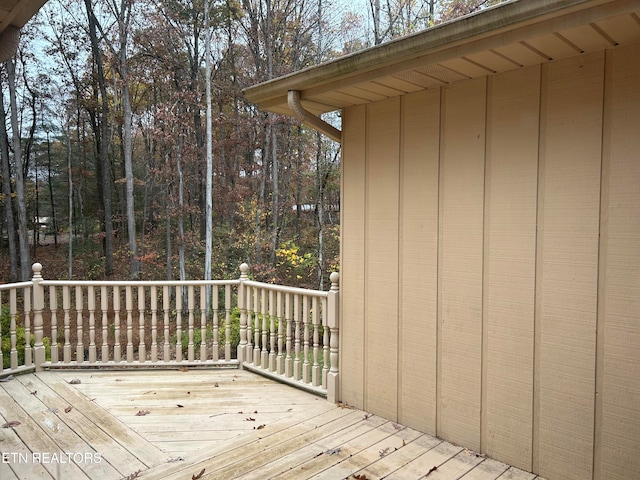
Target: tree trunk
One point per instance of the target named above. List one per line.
(103, 133)
(6, 190)
(23, 234)
(209, 185)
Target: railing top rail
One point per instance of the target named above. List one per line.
(285, 289)
(135, 283)
(11, 286)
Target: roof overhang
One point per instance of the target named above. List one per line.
(14, 14)
(509, 36)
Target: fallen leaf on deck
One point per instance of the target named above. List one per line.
(333, 451)
(75, 381)
(198, 476)
(142, 413)
(68, 409)
(249, 419)
(133, 475)
(183, 369)
(397, 427)
(383, 452)
(6, 379)
(35, 392)
(11, 424)
(361, 477)
(259, 427)
(216, 385)
(433, 469)
(179, 406)
(119, 380)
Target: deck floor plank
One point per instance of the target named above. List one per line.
(391, 444)
(32, 433)
(232, 424)
(489, 469)
(318, 456)
(145, 451)
(111, 452)
(235, 463)
(14, 452)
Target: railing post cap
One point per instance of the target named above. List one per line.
(244, 268)
(37, 269)
(335, 278)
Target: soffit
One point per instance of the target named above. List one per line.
(18, 12)
(511, 36)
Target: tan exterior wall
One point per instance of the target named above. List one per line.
(491, 264)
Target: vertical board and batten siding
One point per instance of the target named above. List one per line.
(417, 345)
(491, 264)
(511, 192)
(567, 269)
(381, 304)
(618, 376)
(460, 252)
(352, 275)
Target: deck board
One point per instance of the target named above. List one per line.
(229, 423)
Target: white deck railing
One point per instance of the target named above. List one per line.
(287, 333)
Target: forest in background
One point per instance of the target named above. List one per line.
(129, 151)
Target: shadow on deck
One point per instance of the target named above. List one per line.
(209, 424)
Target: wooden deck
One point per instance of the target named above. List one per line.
(209, 424)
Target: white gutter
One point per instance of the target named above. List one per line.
(308, 118)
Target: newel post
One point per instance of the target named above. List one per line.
(333, 320)
(38, 307)
(242, 305)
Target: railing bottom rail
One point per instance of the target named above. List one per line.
(135, 365)
(299, 384)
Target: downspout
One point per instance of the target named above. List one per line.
(9, 40)
(308, 118)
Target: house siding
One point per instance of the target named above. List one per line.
(491, 264)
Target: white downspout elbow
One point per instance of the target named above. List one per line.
(310, 119)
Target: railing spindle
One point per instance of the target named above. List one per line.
(154, 324)
(91, 305)
(288, 362)
(305, 320)
(297, 370)
(142, 346)
(256, 327)
(28, 357)
(104, 306)
(129, 308)
(13, 313)
(325, 344)
(53, 308)
(165, 308)
(315, 369)
(281, 324)
(203, 322)
(227, 323)
(117, 348)
(80, 357)
(215, 320)
(191, 348)
(179, 293)
(272, 331)
(264, 358)
(66, 308)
